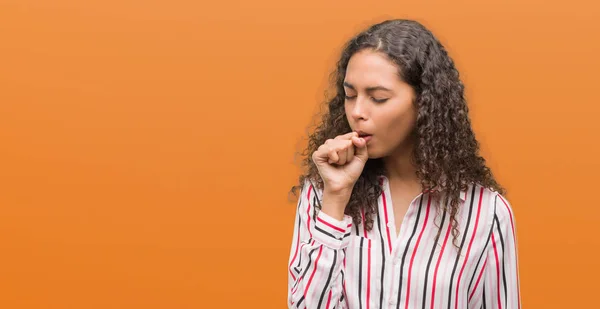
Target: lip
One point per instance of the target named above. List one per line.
(362, 133)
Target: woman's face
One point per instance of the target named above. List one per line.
(379, 103)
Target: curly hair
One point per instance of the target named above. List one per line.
(445, 153)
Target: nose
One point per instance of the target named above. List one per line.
(359, 108)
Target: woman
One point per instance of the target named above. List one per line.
(397, 208)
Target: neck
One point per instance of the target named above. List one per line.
(400, 169)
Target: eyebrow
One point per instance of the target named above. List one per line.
(369, 89)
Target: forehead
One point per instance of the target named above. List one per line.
(368, 68)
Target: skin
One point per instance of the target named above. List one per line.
(389, 115)
(380, 103)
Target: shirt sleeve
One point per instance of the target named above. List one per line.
(501, 286)
(316, 262)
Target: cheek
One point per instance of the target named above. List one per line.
(396, 126)
(396, 122)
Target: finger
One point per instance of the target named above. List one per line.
(358, 142)
(333, 156)
(350, 152)
(340, 150)
(361, 148)
(321, 155)
(342, 154)
(347, 135)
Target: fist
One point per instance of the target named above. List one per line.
(340, 161)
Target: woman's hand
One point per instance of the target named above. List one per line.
(340, 161)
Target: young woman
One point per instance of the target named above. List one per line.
(397, 208)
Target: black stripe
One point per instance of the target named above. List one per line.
(328, 279)
(429, 262)
(300, 301)
(315, 197)
(460, 248)
(503, 268)
(299, 242)
(382, 260)
(484, 300)
(315, 208)
(309, 261)
(360, 272)
(406, 251)
(347, 234)
(483, 252)
(300, 255)
(343, 276)
(325, 232)
(305, 270)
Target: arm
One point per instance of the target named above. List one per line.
(315, 268)
(501, 287)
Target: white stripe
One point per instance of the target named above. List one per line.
(489, 280)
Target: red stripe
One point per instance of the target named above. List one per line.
(328, 300)
(516, 249)
(497, 271)
(295, 255)
(314, 270)
(369, 275)
(293, 277)
(297, 285)
(478, 278)
(298, 240)
(470, 244)
(387, 228)
(330, 225)
(412, 258)
(509, 213)
(344, 282)
(308, 210)
(295, 289)
(437, 266)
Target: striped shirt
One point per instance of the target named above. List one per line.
(336, 264)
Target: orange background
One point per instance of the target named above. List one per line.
(146, 147)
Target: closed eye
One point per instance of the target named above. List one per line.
(372, 98)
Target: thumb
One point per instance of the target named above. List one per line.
(361, 148)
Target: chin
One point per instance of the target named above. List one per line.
(375, 155)
(378, 154)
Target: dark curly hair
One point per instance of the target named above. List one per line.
(445, 153)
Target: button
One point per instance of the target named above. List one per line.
(390, 225)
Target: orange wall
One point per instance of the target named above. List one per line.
(146, 145)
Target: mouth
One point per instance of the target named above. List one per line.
(363, 134)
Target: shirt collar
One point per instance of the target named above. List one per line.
(437, 189)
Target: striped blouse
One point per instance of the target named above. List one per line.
(336, 264)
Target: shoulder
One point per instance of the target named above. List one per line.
(310, 188)
(310, 193)
(496, 203)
